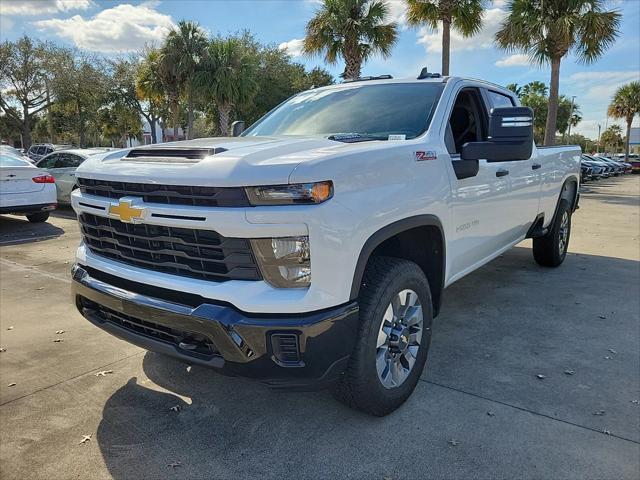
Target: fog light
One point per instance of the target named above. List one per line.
(284, 262)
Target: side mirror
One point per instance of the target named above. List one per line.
(237, 128)
(510, 137)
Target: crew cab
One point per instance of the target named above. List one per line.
(313, 250)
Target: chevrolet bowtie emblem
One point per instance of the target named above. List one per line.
(125, 211)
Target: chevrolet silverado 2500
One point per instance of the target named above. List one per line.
(313, 250)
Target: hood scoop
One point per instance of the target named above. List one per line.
(171, 155)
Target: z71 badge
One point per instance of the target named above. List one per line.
(422, 156)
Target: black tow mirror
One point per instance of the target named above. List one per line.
(237, 128)
(510, 137)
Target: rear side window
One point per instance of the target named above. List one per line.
(48, 162)
(498, 100)
(11, 161)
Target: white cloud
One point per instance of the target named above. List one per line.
(397, 13)
(40, 7)
(601, 85)
(432, 40)
(293, 47)
(119, 29)
(516, 60)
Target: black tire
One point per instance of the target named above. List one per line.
(360, 387)
(38, 217)
(549, 251)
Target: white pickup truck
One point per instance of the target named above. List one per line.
(313, 250)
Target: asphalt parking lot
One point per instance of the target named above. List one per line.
(480, 411)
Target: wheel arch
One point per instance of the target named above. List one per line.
(420, 239)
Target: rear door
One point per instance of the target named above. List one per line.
(524, 178)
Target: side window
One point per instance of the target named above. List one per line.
(40, 150)
(48, 162)
(68, 160)
(499, 100)
(468, 120)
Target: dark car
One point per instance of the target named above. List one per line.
(609, 169)
(594, 171)
(618, 167)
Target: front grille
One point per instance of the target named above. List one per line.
(197, 343)
(167, 194)
(202, 254)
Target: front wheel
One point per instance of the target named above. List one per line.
(38, 217)
(551, 250)
(395, 333)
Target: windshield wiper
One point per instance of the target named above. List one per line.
(355, 137)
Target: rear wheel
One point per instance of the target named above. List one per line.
(38, 217)
(551, 250)
(394, 337)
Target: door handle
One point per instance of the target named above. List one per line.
(536, 166)
(502, 172)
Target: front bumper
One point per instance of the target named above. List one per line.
(297, 351)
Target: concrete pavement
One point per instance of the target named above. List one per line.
(479, 412)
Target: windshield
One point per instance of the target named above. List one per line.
(366, 111)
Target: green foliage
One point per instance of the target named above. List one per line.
(464, 16)
(611, 139)
(535, 96)
(548, 30)
(626, 105)
(352, 29)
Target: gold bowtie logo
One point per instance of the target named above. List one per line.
(125, 211)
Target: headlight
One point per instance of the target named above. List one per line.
(284, 262)
(305, 193)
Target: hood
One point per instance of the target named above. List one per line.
(224, 161)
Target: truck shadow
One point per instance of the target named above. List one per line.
(500, 326)
(17, 230)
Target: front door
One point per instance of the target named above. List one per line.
(480, 204)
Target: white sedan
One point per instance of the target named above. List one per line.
(25, 189)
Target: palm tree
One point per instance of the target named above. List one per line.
(186, 44)
(549, 30)
(465, 16)
(626, 104)
(167, 71)
(227, 76)
(352, 29)
(149, 88)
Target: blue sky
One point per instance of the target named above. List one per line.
(112, 27)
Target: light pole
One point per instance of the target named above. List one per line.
(573, 99)
(599, 127)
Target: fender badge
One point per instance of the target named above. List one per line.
(422, 156)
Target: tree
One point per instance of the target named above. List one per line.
(150, 90)
(626, 105)
(227, 76)
(23, 85)
(549, 30)
(352, 29)
(611, 138)
(535, 95)
(465, 16)
(166, 67)
(80, 84)
(186, 45)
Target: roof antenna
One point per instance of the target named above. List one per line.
(424, 73)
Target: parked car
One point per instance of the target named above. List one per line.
(38, 150)
(618, 167)
(25, 189)
(14, 151)
(62, 165)
(608, 170)
(595, 172)
(313, 250)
